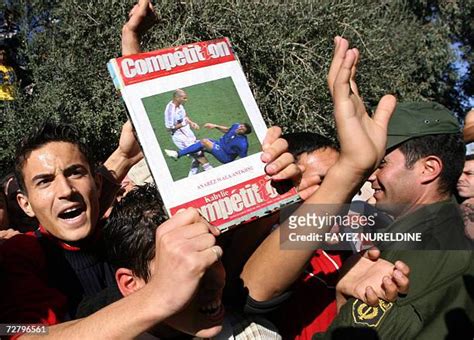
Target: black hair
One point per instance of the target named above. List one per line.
(470, 157)
(448, 147)
(248, 128)
(306, 142)
(46, 133)
(129, 232)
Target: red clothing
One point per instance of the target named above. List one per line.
(43, 279)
(27, 296)
(312, 307)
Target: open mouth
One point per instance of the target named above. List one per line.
(213, 310)
(71, 213)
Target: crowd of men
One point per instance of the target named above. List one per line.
(134, 272)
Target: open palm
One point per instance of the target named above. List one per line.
(362, 138)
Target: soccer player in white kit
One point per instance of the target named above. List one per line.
(179, 124)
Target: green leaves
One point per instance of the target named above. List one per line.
(284, 46)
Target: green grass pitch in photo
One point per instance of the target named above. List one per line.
(214, 102)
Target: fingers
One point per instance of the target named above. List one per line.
(275, 150)
(401, 266)
(6, 234)
(308, 185)
(390, 289)
(145, 5)
(385, 110)
(140, 8)
(217, 251)
(307, 192)
(141, 17)
(371, 297)
(342, 89)
(186, 217)
(400, 276)
(340, 47)
(352, 80)
(209, 256)
(273, 133)
(133, 11)
(289, 172)
(194, 230)
(202, 242)
(282, 162)
(372, 254)
(188, 233)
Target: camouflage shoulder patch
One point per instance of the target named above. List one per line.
(369, 316)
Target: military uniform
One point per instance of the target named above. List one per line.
(440, 299)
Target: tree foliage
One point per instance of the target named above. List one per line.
(284, 46)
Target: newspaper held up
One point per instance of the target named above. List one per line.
(200, 130)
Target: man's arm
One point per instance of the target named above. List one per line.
(221, 128)
(169, 117)
(128, 153)
(193, 124)
(388, 320)
(243, 151)
(362, 140)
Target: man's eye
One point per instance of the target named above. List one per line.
(43, 182)
(77, 173)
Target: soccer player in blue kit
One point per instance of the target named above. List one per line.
(232, 144)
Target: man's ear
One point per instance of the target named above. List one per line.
(127, 282)
(431, 168)
(24, 204)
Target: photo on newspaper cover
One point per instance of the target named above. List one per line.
(201, 127)
(200, 130)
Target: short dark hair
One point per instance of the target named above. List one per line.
(129, 232)
(306, 142)
(448, 147)
(248, 128)
(470, 157)
(45, 133)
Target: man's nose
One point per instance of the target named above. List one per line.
(64, 186)
(373, 176)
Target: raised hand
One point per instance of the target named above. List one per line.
(362, 138)
(140, 19)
